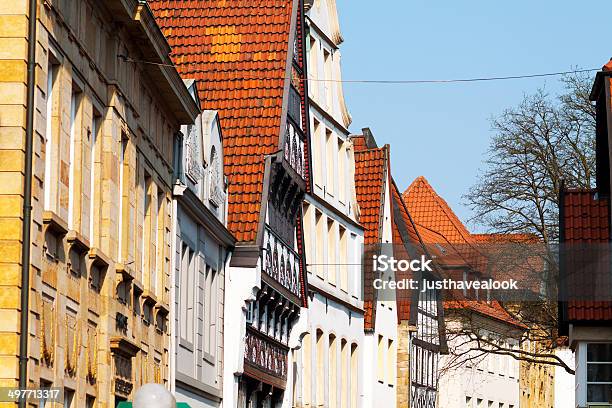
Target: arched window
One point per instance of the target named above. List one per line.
(294, 156)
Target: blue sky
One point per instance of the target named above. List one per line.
(442, 131)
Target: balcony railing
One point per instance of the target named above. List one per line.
(281, 263)
(265, 354)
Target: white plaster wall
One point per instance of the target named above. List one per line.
(564, 381)
(241, 286)
(497, 382)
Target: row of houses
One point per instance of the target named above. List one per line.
(198, 212)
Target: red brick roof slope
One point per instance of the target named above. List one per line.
(237, 50)
(585, 219)
(431, 211)
(403, 297)
(370, 169)
(371, 173)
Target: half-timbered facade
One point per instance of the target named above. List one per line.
(249, 58)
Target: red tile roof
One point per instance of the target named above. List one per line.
(436, 223)
(608, 66)
(237, 50)
(584, 219)
(370, 171)
(429, 210)
(371, 179)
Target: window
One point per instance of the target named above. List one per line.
(318, 153)
(146, 229)
(343, 374)
(44, 385)
(210, 311)
(468, 402)
(313, 67)
(330, 144)
(307, 368)
(68, 398)
(599, 372)
(354, 375)
(90, 401)
(333, 371)
(343, 264)
(75, 102)
(122, 194)
(327, 70)
(186, 291)
(320, 369)
(331, 252)
(52, 72)
(157, 270)
(479, 403)
(381, 360)
(391, 363)
(319, 254)
(93, 217)
(341, 156)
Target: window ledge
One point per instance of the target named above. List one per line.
(55, 223)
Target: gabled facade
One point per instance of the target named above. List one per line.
(103, 132)
(201, 253)
(373, 186)
(330, 359)
(585, 315)
(249, 62)
(469, 378)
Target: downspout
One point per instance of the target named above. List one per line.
(27, 204)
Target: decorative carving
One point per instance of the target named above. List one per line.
(294, 148)
(265, 354)
(47, 328)
(121, 323)
(193, 164)
(287, 274)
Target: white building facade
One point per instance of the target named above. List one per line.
(330, 360)
(473, 379)
(202, 251)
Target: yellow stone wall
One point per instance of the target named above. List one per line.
(74, 325)
(403, 364)
(536, 380)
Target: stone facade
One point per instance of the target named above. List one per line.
(102, 171)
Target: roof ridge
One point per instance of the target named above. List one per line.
(443, 205)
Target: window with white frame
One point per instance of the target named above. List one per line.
(186, 290)
(599, 372)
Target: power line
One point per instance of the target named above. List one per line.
(400, 81)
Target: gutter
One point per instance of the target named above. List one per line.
(27, 203)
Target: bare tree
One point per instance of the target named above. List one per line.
(536, 145)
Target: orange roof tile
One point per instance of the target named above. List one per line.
(608, 66)
(237, 50)
(436, 223)
(370, 170)
(371, 167)
(429, 210)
